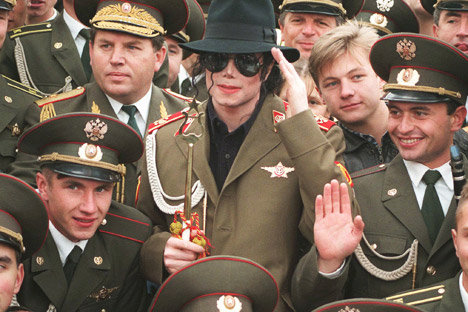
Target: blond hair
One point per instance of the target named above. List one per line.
(352, 38)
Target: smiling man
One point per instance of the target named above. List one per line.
(82, 263)
(407, 206)
(38, 11)
(124, 55)
(255, 171)
(303, 22)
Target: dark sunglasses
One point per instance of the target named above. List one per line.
(247, 64)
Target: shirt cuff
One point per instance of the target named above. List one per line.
(335, 274)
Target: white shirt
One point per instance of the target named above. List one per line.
(53, 15)
(141, 115)
(444, 186)
(463, 293)
(64, 245)
(75, 27)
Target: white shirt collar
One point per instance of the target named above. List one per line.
(143, 106)
(463, 293)
(417, 170)
(64, 245)
(73, 25)
(53, 16)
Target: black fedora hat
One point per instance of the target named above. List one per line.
(345, 8)
(23, 217)
(449, 5)
(144, 18)
(240, 26)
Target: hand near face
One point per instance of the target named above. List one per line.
(297, 94)
(336, 234)
(178, 253)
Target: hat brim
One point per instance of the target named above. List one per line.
(238, 47)
(5, 6)
(84, 172)
(352, 8)
(409, 96)
(175, 13)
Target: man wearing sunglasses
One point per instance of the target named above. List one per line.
(257, 166)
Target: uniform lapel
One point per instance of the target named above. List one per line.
(260, 140)
(7, 113)
(63, 48)
(47, 272)
(96, 99)
(91, 271)
(201, 155)
(399, 198)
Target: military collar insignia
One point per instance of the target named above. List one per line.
(95, 130)
(103, 294)
(406, 49)
(279, 171)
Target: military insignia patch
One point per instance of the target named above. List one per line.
(378, 19)
(95, 130)
(103, 294)
(15, 130)
(90, 152)
(345, 173)
(279, 171)
(229, 303)
(408, 77)
(406, 49)
(385, 5)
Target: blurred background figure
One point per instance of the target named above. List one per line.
(17, 16)
(38, 11)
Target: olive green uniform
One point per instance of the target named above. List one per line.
(106, 277)
(50, 55)
(392, 220)
(256, 214)
(90, 98)
(16, 97)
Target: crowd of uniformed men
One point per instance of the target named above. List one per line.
(233, 155)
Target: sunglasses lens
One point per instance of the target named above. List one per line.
(247, 64)
(214, 62)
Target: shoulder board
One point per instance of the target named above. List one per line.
(420, 296)
(126, 225)
(18, 85)
(368, 171)
(30, 29)
(165, 121)
(60, 97)
(177, 95)
(324, 123)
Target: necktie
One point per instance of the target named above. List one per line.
(431, 207)
(186, 86)
(71, 263)
(131, 110)
(85, 59)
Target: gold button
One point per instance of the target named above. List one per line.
(98, 260)
(104, 222)
(431, 270)
(58, 45)
(374, 246)
(441, 291)
(392, 192)
(8, 99)
(103, 310)
(40, 260)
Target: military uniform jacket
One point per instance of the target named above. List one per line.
(255, 215)
(106, 278)
(442, 297)
(50, 54)
(392, 220)
(13, 103)
(90, 98)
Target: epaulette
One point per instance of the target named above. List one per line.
(165, 121)
(179, 96)
(420, 296)
(19, 86)
(123, 225)
(324, 123)
(30, 29)
(368, 171)
(60, 97)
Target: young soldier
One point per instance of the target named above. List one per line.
(124, 56)
(258, 175)
(23, 229)
(408, 205)
(303, 22)
(90, 258)
(352, 90)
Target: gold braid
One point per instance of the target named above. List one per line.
(440, 91)
(17, 236)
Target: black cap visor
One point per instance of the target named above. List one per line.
(5, 6)
(312, 8)
(415, 97)
(84, 172)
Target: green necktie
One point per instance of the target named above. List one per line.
(131, 110)
(85, 59)
(431, 207)
(71, 263)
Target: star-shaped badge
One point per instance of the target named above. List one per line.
(279, 171)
